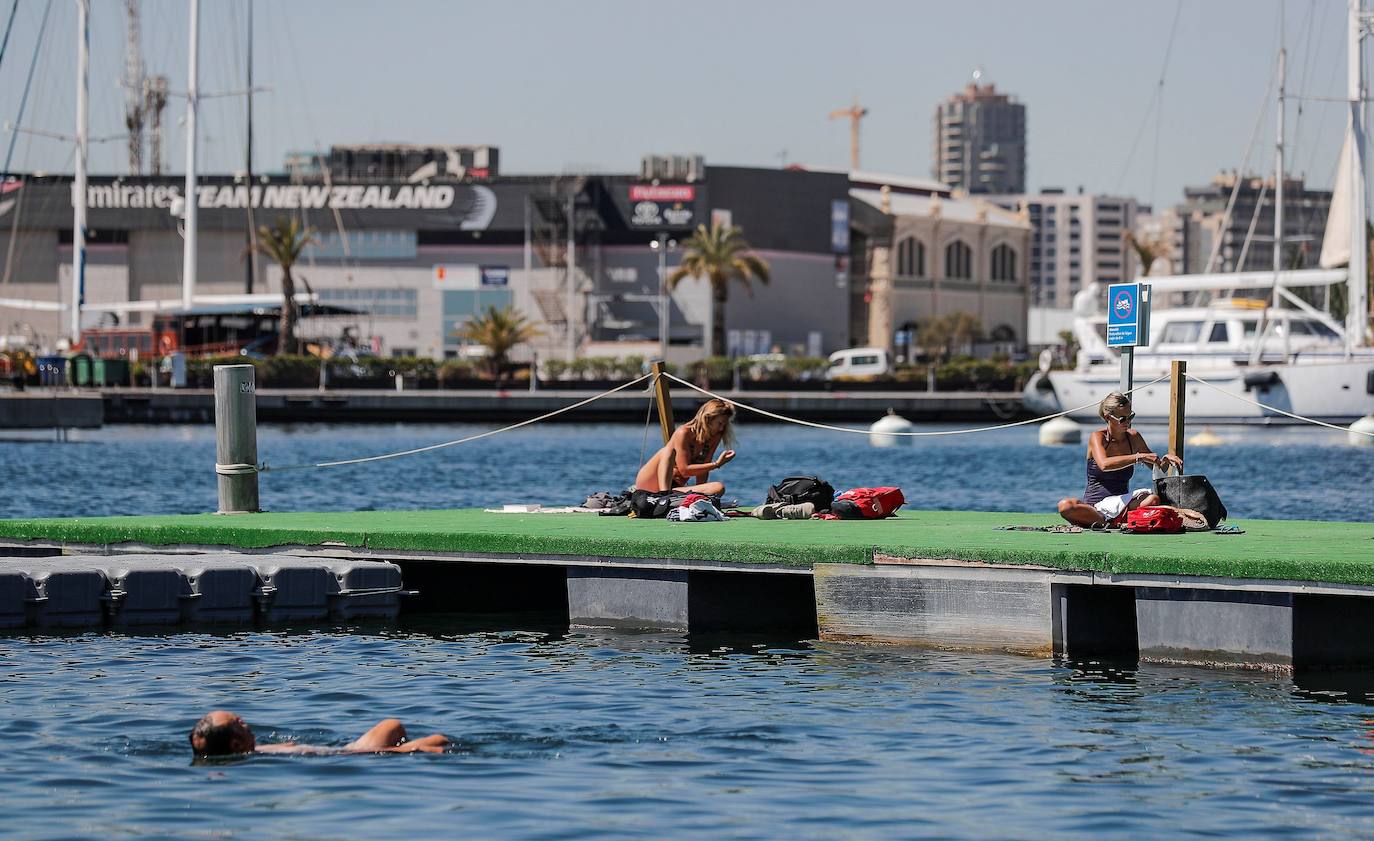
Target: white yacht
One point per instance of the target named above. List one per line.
(1248, 333)
(1295, 359)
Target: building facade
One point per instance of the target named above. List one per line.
(1076, 240)
(921, 253)
(417, 260)
(979, 141)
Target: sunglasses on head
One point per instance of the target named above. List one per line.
(1125, 419)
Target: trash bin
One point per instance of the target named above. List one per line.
(113, 372)
(52, 370)
(80, 370)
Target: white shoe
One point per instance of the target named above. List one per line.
(800, 511)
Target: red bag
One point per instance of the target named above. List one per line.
(866, 504)
(1154, 519)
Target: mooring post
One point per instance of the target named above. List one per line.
(236, 438)
(664, 399)
(1178, 380)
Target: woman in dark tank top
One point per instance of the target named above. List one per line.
(1113, 454)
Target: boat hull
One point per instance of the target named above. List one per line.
(1335, 392)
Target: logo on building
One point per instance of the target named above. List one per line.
(663, 192)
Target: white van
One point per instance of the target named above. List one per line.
(859, 362)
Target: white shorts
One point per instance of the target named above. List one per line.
(1114, 506)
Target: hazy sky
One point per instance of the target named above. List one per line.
(592, 85)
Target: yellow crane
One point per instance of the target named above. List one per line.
(855, 113)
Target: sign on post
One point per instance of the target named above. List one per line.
(1128, 314)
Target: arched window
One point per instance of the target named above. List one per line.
(911, 258)
(1004, 263)
(1003, 333)
(958, 260)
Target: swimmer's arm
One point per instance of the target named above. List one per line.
(429, 744)
(294, 749)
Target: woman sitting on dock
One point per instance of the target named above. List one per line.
(1113, 454)
(686, 456)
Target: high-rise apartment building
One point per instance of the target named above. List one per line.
(1076, 239)
(1244, 241)
(980, 141)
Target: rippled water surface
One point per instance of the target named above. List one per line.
(1272, 473)
(561, 734)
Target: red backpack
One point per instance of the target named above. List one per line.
(866, 504)
(1154, 519)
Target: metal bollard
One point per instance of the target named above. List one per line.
(236, 438)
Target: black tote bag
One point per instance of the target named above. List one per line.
(1193, 492)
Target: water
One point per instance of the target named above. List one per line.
(1285, 473)
(561, 735)
(564, 733)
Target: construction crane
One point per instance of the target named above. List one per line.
(855, 113)
(133, 81)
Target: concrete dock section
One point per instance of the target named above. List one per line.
(1283, 595)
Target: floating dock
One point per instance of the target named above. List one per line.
(1283, 595)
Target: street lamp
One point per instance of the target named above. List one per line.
(662, 245)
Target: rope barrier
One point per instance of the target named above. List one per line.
(264, 468)
(920, 434)
(1244, 399)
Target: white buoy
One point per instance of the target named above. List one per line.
(1365, 425)
(1206, 438)
(1061, 430)
(880, 433)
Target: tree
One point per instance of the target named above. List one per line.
(283, 243)
(498, 330)
(939, 337)
(720, 255)
(1147, 251)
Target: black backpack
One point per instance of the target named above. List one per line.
(796, 489)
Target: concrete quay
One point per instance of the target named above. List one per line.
(51, 409)
(128, 405)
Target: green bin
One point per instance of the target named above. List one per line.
(80, 370)
(112, 372)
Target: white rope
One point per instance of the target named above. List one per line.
(265, 468)
(1276, 409)
(922, 434)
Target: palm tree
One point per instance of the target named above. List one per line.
(283, 243)
(1147, 251)
(720, 255)
(498, 330)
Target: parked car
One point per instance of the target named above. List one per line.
(859, 362)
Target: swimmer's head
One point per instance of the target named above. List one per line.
(221, 733)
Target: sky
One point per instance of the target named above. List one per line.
(1133, 98)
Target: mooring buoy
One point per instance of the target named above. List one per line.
(1363, 425)
(880, 433)
(1060, 430)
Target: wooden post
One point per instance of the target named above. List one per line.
(665, 400)
(236, 438)
(1178, 381)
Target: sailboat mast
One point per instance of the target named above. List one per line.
(1278, 179)
(1357, 315)
(251, 264)
(188, 264)
(83, 82)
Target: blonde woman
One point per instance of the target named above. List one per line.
(1113, 454)
(687, 455)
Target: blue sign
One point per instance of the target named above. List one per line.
(839, 226)
(1128, 315)
(496, 276)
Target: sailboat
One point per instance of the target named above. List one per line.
(186, 210)
(1278, 349)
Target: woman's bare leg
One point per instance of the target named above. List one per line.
(1079, 513)
(706, 488)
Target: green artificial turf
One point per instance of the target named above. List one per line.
(1283, 549)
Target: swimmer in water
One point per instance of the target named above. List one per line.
(223, 733)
